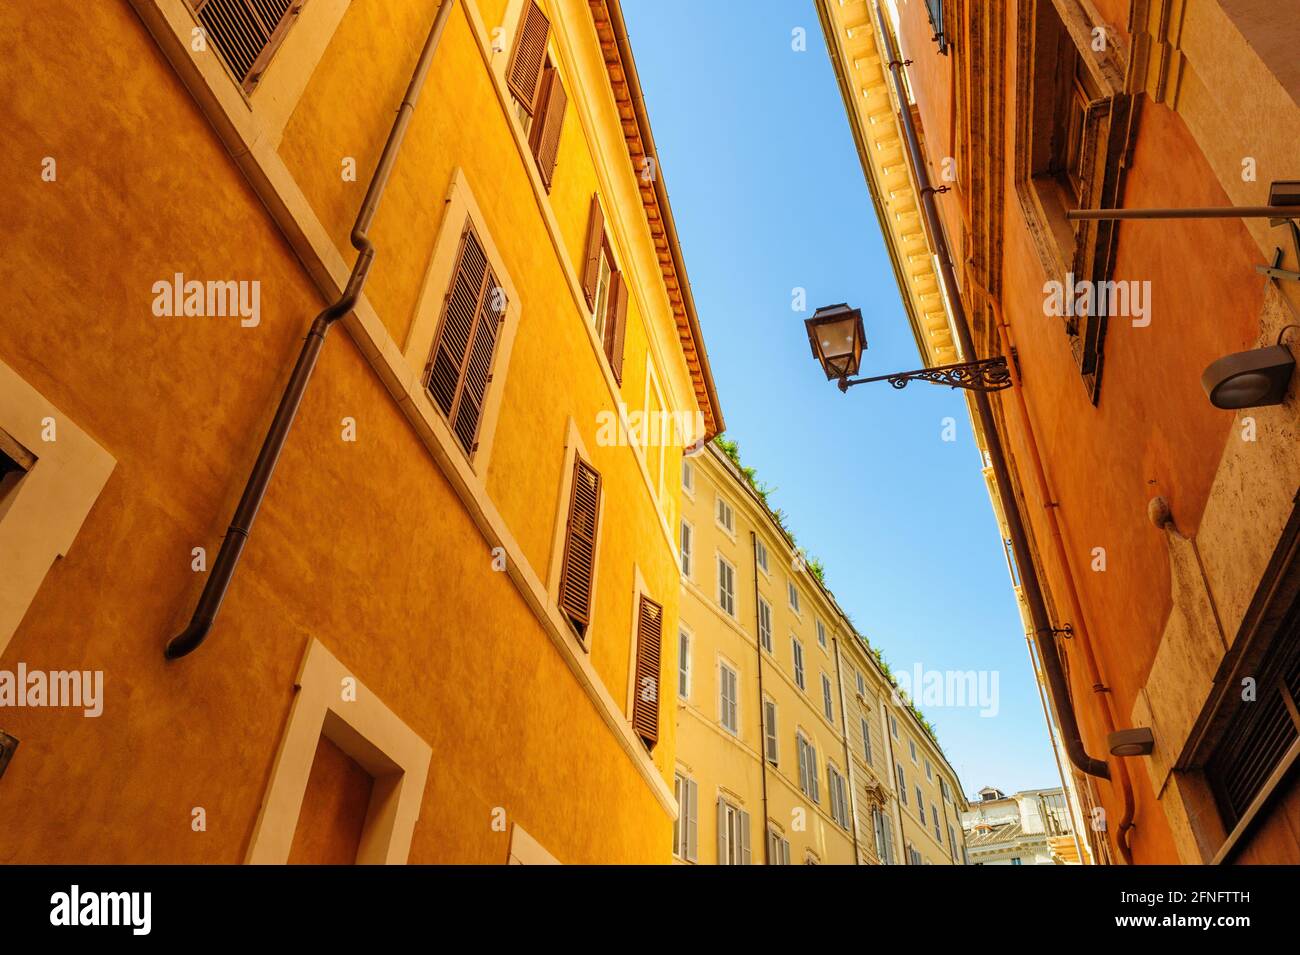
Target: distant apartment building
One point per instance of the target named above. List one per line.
(1033, 827)
(792, 747)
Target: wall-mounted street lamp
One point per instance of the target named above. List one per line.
(1248, 379)
(1139, 741)
(838, 341)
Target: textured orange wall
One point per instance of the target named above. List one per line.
(1152, 432)
(362, 545)
(334, 808)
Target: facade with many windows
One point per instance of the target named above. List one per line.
(784, 748)
(446, 636)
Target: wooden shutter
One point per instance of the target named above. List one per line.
(591, 258)
(246, 33)
(722, 832)
(616, 324)
(524, 74)
(692, 821)
(460, 367)
(579, 566)
(544, 138)
(645, 698)
(745, 857)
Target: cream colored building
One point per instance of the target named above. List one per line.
(791, 744)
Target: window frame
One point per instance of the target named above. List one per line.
(725, 667)
(732, 610)
(798, 664)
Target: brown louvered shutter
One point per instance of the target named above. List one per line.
(460, 367)
(645, 702)
(616, 325)
(544, 137)
(579, 567)
(524, 74)
(246, 33)
(595, 242)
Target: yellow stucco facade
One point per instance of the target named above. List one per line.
(790, 736)
(394, 639)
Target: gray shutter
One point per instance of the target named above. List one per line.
(803, 764)
(722, 832)
(692, 821)
(744, 838)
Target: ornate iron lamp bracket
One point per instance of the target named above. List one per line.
(986, 374)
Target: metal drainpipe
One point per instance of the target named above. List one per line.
(762, 728)
(1043, 634)
(848, 757)
(232, 546)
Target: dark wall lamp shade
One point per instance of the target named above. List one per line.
(837, 339)
(1249, 379)
(1139, 741)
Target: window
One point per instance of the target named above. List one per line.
(902, 784)
(459, 368)
(728, 698)
(778, 848)
(944, 790)
(934, 818)
(839, 796)
(605, 290)
(683, 664)
(686, 826)
(733, 834)
(929, 773)
(935, 9)
(536, 86)
(645, 700)
(1072, 137)
(793, 593)
(1015, 860)
(765, 624)
(807, 754)
(726, 517)
(688, 476)
(911, 747)
(578, 570)
(828, 705)
(920, 805)
(866, 740)
(246, 33)
(769, 731)
(726, 586)
(893, 726)
(952, 845)
(686, 545)
(883, 830)
(821, 633)
(797, 648)
(760, 555)
(862, 683)
(914, 856)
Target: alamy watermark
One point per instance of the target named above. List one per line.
(212, 299)
(1126, 298)
(82, 689)
(956, 688)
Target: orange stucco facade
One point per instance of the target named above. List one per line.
(428, 577)
(1184, 104)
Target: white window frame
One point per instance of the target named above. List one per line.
(866, 741)
(722, 506)
(911, 748)
(809, 784)
(828, 699)
(686, 547)
(796, 655)
(731, 851)
(688, 478)
(821, 633)
(792, 596)
(900, 776)
(686, 827)
(771, 732)
(723, 668)
(761, 556)
(684, 668)
(730, 611)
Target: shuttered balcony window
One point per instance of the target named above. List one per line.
(769, 731)
(686, 825)
(535, 85)
(726, 587)
(649, 643)
(459, 370)
(797, 651)
(577, 572)
(606, 291)
(245, 34)
(765, 624)
(728, 699)
(828, 703)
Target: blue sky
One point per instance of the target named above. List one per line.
(768, 195)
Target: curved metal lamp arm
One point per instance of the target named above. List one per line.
(987, 374)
